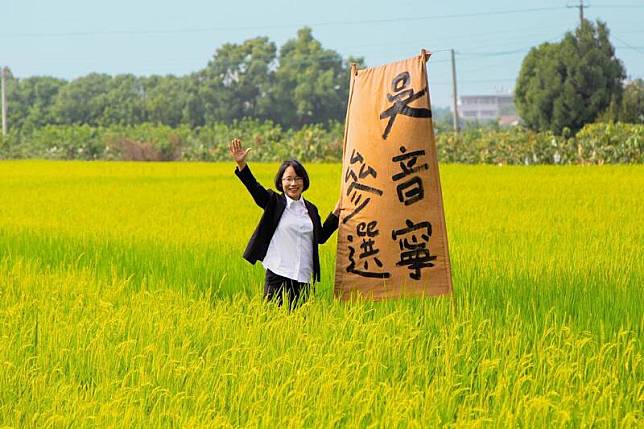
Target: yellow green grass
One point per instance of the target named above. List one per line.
(124, 301)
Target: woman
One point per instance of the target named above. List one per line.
(287, 237)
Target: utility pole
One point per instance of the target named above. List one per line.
(581, 7)
(454, 93)
(5, 76)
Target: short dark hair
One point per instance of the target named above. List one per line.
(299, 170)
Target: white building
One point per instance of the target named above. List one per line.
(486, 107)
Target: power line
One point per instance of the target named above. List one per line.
(496, 64)
(494, 54)
(267, 27)
(448, 16)
(637, 49)
(513, 35)
(619, 6)
(460, 81)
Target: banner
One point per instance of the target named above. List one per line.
(392, 240)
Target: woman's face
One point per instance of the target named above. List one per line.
(292, 183)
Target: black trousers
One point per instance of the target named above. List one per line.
(276, 286)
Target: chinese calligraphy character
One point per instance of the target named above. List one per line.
(413, 242)
(410, 190)
(401, 99)
(357, 190)
(369, 253)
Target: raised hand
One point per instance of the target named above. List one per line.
(338, 207)
(238, 153)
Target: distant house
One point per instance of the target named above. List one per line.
(482, 108)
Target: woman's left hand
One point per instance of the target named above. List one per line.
(337, 209)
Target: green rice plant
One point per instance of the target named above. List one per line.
(124, 301)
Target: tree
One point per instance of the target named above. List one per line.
(632, 109)
(82, 101)
(101, 100)
(164, 99)
(30, 100)
(194, 110)
(122, 103)
(311, 83)
(308, 85)
(570, 83)
(237, 81)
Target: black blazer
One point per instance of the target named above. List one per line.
(274, 205)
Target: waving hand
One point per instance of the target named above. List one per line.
(238, 153)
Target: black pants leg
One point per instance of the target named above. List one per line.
(275, 286)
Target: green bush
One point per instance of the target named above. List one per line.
(611, 143)
(596, 143)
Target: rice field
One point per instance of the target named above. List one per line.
(125, 302)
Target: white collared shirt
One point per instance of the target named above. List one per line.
(290, 252)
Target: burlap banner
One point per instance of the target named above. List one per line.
(392, 239)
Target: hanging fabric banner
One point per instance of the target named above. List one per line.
(392, 239)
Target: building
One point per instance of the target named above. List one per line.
(487, 108)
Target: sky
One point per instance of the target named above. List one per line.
(71, 38)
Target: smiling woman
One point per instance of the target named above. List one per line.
(287, 236)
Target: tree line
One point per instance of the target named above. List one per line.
(560, 88)
(302, 83)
